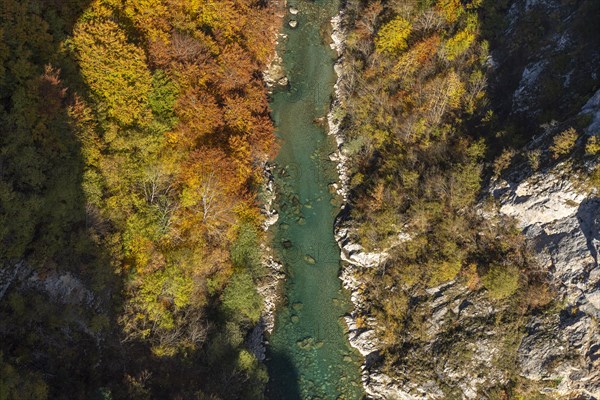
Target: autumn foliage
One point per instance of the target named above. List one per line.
(182, 132)
(170, 129)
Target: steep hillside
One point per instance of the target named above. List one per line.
(134, 135)
(457, 287)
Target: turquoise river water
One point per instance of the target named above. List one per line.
(309, 354)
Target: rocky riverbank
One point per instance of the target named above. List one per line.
(269, 288)
(274, 74)
(361, 336)
(335, 115)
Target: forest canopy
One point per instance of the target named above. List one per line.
(134, 134)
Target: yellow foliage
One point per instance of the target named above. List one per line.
(246, 361)
(459, 44)
(410, 274)
(443, 272)
(163, 351)
(357, 179)
(395, 308)
(114, 69)
(150, 16)
(248, 213)
(442, 94)
(161, 294)
(456, 90)
(361, 322)
(450, 9)
(474, 4)
(392, 37)
(396, 303)
(139, 247)
(242, 157)
(214, 15)
(564, 142)
(592, 146)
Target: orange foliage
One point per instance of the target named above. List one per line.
(52, 91)
(237, 67)
(199, 114)
(417, 58)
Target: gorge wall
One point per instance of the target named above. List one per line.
(458, 340)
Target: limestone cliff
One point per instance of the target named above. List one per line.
(563, 225)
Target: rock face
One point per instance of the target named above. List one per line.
(544, 66)
(559, 217)
(456, 339)
(563, 224)
(61, 288)
(592, 108)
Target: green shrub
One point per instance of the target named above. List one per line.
(444, 272)
(501, 281)
(458, 44)
(162, 99)
(16, 384)
(241, 300)
(245, 251)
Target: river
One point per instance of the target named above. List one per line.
(309, 354)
